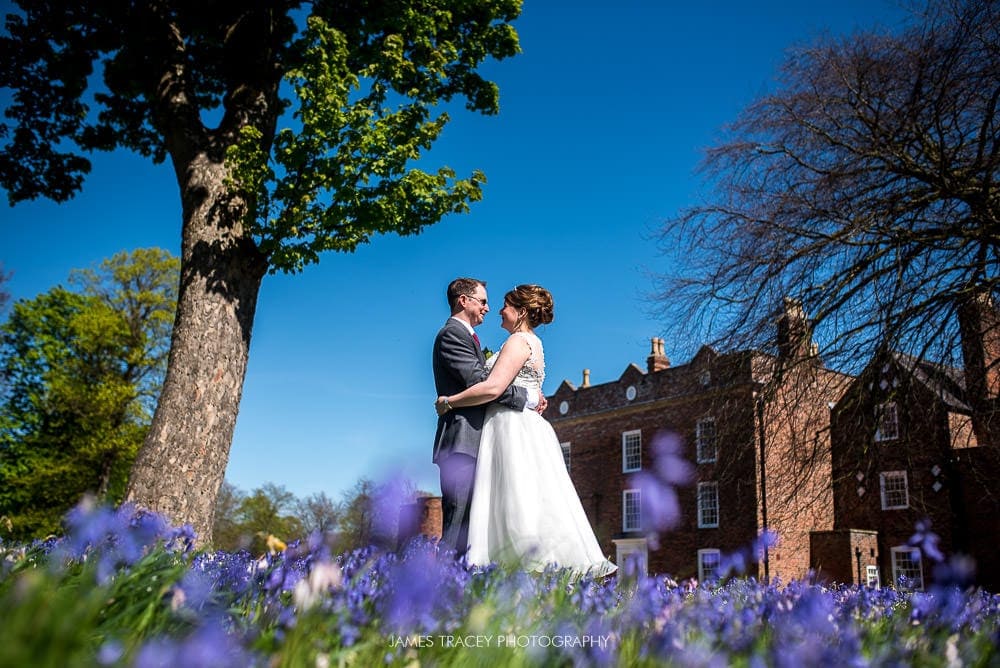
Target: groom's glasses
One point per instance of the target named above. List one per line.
(482, 302)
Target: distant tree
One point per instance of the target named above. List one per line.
(356, 527)
(369, 514)
(268, 510)
(318, 512)
(256, 199)
(80, 373)
(865, 188)
(227, 533)
(243, 521)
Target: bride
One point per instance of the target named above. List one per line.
(525, 510)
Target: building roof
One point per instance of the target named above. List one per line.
(946, 382)
(708, 370)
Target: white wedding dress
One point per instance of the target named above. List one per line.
(525, 510)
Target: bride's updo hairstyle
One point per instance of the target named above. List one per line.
(535, 300)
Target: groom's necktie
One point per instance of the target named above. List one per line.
(475, 337)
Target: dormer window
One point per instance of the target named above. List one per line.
(706, 445)
(887, 419)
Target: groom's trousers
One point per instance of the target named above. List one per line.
(458, 472)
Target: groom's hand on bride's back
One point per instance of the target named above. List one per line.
(543, 403)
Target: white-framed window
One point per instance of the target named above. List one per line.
(631, 451)
(632, 550)
(895, 491)
(631, 510)
(566, 453)
(871, 576)
(707, 445)
(907, 570)
(887, 419)
(709, 562)
(708, 505)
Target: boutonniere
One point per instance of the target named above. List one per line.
(487, 353)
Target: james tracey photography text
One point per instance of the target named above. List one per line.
(501, 640)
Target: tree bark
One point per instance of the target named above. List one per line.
(182, 463)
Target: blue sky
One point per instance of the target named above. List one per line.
(604, 118)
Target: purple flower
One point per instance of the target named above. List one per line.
(415, 584)
(208, 647)
(668, 460)
(194, 591)
(115, 537)
(927, 541)
(959, 571)
(660, 508)
(110, 652)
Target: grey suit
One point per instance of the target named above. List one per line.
(458, 364)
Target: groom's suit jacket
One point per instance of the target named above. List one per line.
(458, 363)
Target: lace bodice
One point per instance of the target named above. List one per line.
(532, 373)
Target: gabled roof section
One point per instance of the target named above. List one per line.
(946, 382)
(705, 355)
(631, 372)
(565, 387)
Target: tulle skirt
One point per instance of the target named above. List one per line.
(525, 510)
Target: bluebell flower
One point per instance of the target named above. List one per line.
(110, 652)
(208, 646)
(668, 460)
(959, 571)
(113, 537)
(414, 585)
(196, 591)
(927, 541)
(660, 508)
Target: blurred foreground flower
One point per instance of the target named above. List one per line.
(323, 577)
(660, 508)
(210, 646)
(274, 544)
(927, 541)
(116, 537)
(419, 606)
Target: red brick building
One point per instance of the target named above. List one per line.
(907, 449)
(842, 469)
(760, 450)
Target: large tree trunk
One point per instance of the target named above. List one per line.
(181, 465)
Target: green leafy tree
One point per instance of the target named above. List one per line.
(80, 373)
(363, 77)
(246, 521)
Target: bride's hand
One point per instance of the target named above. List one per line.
(441, 406)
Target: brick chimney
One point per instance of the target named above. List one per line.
(657, 360)
(979, 324)
(794, 332)
(422, 517)
(586, 378)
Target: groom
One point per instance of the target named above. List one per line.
(458, 363)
